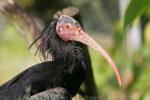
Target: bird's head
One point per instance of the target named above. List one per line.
(69, 29)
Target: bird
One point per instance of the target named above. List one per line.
(68, 67)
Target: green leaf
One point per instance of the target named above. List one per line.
(134, 9)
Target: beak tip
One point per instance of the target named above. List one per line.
(120, 82)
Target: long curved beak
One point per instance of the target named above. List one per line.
(86, 39)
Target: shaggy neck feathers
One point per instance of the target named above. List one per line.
(52, 44)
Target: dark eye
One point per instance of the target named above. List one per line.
(58, 30)
(67, 26)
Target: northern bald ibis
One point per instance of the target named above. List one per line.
(67, 68)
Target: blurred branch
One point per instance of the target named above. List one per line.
(70, 11)
(23, 21)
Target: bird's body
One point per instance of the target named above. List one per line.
(41, 77)
(67, 70)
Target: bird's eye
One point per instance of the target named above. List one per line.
(67, 26)
(58, 30)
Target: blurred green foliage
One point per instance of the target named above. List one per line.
(135, 9)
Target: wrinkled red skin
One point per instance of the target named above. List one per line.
(67, 28)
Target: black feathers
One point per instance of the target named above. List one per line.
(67, 70)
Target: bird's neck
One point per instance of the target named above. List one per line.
(69, 52)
